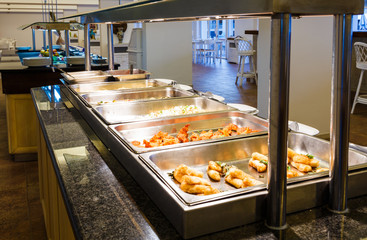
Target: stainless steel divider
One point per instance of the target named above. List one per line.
(67, 43)
(87, 62)
(111, 59)
(340, 113)
(34, 39)
(50, 49)
(278, 121)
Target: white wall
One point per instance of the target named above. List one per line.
(310, 71)
(10, 22)
(245, 24)
(168, 50)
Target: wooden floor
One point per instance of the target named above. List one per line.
(20, 209)
(21, 214)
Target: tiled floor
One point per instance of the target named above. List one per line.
(20, 208)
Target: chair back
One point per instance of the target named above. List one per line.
(361, 55)
(209, 44)
(243, 46)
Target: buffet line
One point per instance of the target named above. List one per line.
(199, 159)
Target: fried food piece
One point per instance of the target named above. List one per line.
(214, 175)
(291, 153)
(198, 189)
(215, 166)
(259, 166)
(136, 143)
(227, 131)
(293, 173)
(183, 170)
(206, 135)
(304, 159)
(240, 179)
(245, 130)
(182, 134)
(321, 170)
(214, 170)
(195, 137)
(193, 180)
(259, 162)
(301, 167)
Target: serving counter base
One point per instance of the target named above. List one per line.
(103, 201)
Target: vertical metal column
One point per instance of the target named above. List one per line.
(87, 62)
(111, 59)
(67, 43)
(34, 39)
(44, 39)
(340, 113)
(278, 121)
(50, 49)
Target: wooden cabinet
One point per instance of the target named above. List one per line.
(56, 217)
(22, 124)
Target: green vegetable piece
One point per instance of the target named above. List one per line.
(289, 167)
(309, 156)
(264, 162)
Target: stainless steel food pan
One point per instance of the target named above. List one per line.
(235, 152)
(139, 131)
(139, 111)
(138, 95)
(125, 74)
(82, 74)
(125, 85)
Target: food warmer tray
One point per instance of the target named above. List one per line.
(125, 85)
(72, 77)
(226, 212)
(139, 111)
(138, 131)
(138, 95)
(125, 74)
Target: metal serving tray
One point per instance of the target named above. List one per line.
(82, 74)
(125, 85)
(233, 152)
(139, 111)
(126, 74)
(138, 95)
(139, 131)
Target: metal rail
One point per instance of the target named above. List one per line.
(50, 49)
(340, 113)
(278, 120)
(87, 61)
(111, 59)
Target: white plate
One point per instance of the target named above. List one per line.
(302, 128)
(184, 87)
(218, 98)
(167, 81)
(244, 108)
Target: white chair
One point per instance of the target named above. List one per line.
(245, 50)
(208, 51)
(361, 63)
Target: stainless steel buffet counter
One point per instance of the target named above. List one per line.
(104, 201)
(193, 215)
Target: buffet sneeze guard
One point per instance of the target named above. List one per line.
(280, 12)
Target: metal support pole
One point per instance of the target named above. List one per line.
(87, 62)
(50, 49)
(278, 121)
(34, 39)
(44, 39)
(67, 42)
(111, 59)
(340, 113)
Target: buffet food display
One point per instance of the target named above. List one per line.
(191, 151)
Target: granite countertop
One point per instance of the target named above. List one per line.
(104, 202)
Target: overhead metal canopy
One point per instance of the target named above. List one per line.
(53, 26)
(181, 10)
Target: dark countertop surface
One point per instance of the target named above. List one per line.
(104, 202)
